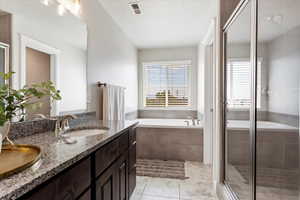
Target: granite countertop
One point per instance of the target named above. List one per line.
(57, 156)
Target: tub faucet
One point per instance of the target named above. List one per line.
(187, 122)
(194, 122)
(198, 121)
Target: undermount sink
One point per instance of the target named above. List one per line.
(85, 132)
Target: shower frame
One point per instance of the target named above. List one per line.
(229, 193)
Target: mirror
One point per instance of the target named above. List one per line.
(4, 60)
(46, 45)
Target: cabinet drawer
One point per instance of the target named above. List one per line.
(132, 136)
(74, 181)
(47, 192)
(110, 152)
(124, 142)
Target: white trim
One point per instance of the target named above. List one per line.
(209, 122)
(210, 34)
(54, 53)
(6, 59)
(176, 62)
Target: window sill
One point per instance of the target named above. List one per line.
(168, 108)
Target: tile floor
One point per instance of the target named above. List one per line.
(198, 186)
(240, 185)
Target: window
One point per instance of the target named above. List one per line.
(239, 83)
(167, 84)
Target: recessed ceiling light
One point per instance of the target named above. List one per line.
(276, 19)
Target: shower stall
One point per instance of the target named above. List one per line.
(261, 100)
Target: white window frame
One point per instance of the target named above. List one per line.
(259, 78)
(144, 82)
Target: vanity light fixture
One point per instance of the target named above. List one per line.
(63, 6)
(61, 10)
(72, 6)
(45, 2)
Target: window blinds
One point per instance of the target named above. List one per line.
(239, 83)
(166, 84)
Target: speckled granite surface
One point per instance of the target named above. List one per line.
(57, 156)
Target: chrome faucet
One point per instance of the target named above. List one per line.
(62, 124)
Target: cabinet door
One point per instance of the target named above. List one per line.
(132, 169)
(106, 185)
(122, 176)
(86, 196)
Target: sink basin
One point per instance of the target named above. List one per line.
(85, 132)
(15, 158)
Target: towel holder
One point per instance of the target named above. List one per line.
(100, 84)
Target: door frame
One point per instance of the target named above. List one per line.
(209, 112)
(54, 53)
(6, 48)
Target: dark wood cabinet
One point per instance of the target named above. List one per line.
(132, 161)
(106, 174)
(86, 195)
(113, 183)
(106, 184)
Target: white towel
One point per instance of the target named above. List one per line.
(112, 105)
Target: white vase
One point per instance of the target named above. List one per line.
(4, 130)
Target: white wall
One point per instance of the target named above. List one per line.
(67, 33)
(201, 80)
(112, 58)
(284, 73)
(170, 54)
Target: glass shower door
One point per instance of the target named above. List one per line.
(238, 100)
(278, 75)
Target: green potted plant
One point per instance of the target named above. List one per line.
(13, 103)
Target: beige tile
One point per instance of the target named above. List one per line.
(162, 187)
(150, 197)
(193, 191)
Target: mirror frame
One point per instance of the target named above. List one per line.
(6, 59)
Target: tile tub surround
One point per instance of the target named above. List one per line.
(199, 185)
(57, 156)
(170, 143)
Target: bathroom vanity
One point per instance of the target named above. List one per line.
(98, 167)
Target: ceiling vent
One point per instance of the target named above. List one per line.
(136, 8)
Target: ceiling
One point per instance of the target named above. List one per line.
(275, 18)
(163, 23)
